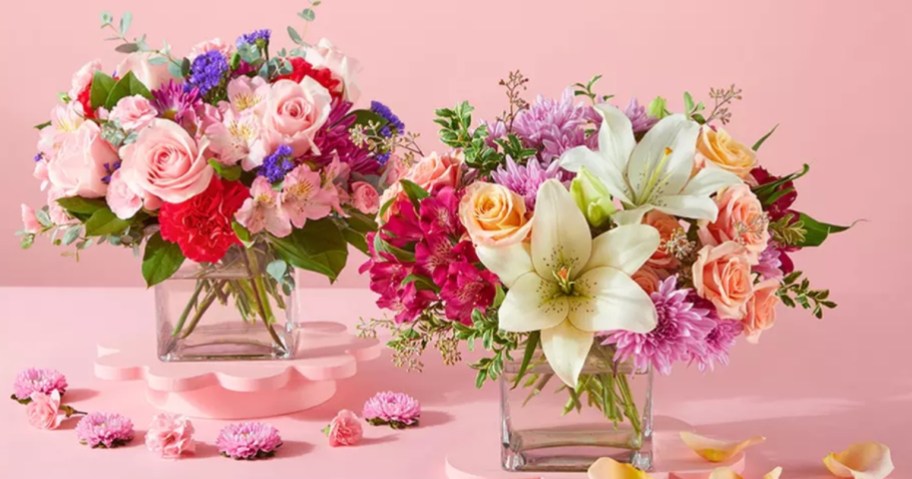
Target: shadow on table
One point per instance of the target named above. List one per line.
(79, 394)
(288, 449)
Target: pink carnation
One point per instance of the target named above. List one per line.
(345, 429)
(399, 410)
(248, 440)
(38, 380)
(170, 436)
(106, 430)
(44, 411)
(30, 223)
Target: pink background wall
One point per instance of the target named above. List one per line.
(834, 74)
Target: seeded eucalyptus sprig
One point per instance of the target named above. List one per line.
(796, 290)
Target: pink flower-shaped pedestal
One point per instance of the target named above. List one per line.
(241, 389)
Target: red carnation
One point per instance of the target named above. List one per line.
(84, 99)
(302, 68)
(201, 226)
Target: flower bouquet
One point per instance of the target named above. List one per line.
(248, 162)
(586, 246)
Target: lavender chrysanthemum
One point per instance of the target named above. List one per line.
(398, 410)
(248, 440)
(719, 340)
(554, 126)
(207, 72)
(769, 264)
(678, 336)
(525, 180)
(252, 37)
(278, 164)
(38, 380)
(98, 429)
(639, 119)
(174, 102)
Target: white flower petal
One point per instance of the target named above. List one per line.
(566, 348)
(561, 236)
(625, 247)
(686, 206)
(632, 216)
(577, 158)
(507, 262)
(608, 299)
(615, 136)
(652, 175)
(710, 180)
(532, 304)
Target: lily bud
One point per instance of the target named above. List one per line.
(592, 198)
(656, 108)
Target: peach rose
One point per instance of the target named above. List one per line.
(83, 78)
(435, 170)
(493, 215)
(43, 410)
(294, 112)
(722, 275)
(647, 278)
(365, 198)
(718, 147)
(740, 219)
(165, 161)
(326, 55)
(133, 112)
(151, 75)
(667, 226)
(761, 309)
(78, 166)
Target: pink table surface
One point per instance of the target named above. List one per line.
(810, 386)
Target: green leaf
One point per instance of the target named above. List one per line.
(127, 47)
(230, 173)
(657, 108)
(421, 282)
(766, 190)
(355, 239)
(531, 345)
(106, 19)
(816, 231)
(277, 270)
(127, 86)
(101, 87)
(161, 260)
(356, 228)
(318, 247)
(688, 103)
(27, 241)
(382, 246)
(104, 222)
(295, 36)
(763, 138)
(366, 117)
(43, 217)
(76, 205)
(414, 192)
(308, 14)
(242, 233)
(71, 234)
(125, 21)
(42, 126)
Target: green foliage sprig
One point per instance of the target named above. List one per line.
(795, 291)
(456, 131)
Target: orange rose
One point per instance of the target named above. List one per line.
(718, 147)
(667, 226)
(493, 215)
(740, 219)
(435, 170)
(647, 278)
(722, 275)
(761, 309)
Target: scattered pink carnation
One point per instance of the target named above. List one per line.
(248, 440)
(345, 429)
(170, 435)
(398, 410)
(44, 410)
(108, 430)
(38, 380)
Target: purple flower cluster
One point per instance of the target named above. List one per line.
(207, 72)
(639, 119)
(525, 180)
(554, 126)
(394, 124)
(248, 440)
(38, 380)
(110, 168)
(174, 102)
(398, 410)
(278, 164)
(252, 37)
(98, 429)
(334, 139)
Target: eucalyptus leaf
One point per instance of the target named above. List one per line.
(125, 21)
(127, 47)
(71, 234)
(277, 269)
(295, 36)
(308, 14)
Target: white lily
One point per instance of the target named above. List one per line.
(568, 285)
(654, 173)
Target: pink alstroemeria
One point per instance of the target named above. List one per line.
(304, 197)
(237, 139)
(334, 173)
(263, 210)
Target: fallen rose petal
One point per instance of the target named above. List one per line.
(714, 450)
(607, 468)
(774, 474)
(728, 473)
(865, 460)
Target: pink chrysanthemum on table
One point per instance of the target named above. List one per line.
(38, 380)
(398, 410)
(106, 430)
(170, 436)
(555, 126)
(525, 180)
(678, 336)
(248, 440)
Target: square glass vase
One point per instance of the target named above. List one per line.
(548, 426)
(229, 310)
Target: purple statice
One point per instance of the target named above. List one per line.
(394, 124)
(525, 180)
(207, 72)
(769, 265)
(174, 102)
(639, 119)
(278, 164)
(110, 168)
(678, 336)
(554, 126)
(335, 137)
(252, 37)
(719, 339)
(38, 157)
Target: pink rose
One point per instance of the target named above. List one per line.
(30, 222)
(167, 162)
(294, 113)
(133, 112)
(435, 170)
(740, 219)
(343, 68)
(345, 429)
(79, 165)
(722, 275)
(647, 278)
(83, 78)
(493, 215)
(169, 436)
(152, 76)
(215, 44)
(761, 309)
(365, 198)
(123, 200)
(667, 227)
(44, 410)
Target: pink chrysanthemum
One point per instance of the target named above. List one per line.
(398, 410)
(554, 126)
(678, 336)
(769, 264)
(248, 440)
(639, 119)
(107, 430)
(38, 380)
(525, 180)
(719, 339)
